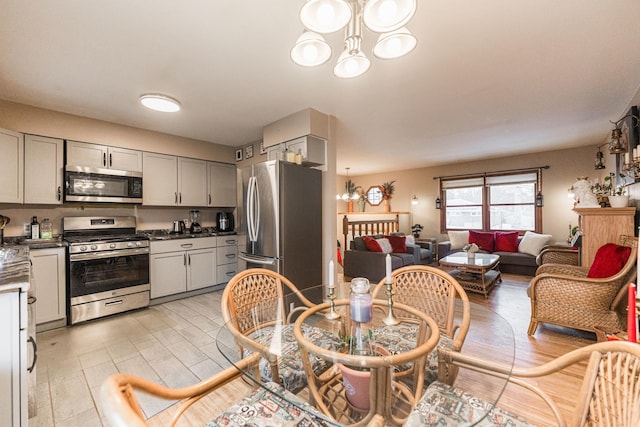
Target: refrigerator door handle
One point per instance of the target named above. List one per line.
(253, 209)
(256, 259)
(250, 208)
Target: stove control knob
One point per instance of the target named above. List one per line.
(112, 245)
(138, 243)
(83, 248)
(129, 244)
(94, 247)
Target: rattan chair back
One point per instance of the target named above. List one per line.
(432, 291)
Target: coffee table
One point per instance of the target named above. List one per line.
(478, 274)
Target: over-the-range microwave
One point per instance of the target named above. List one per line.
(83, 184)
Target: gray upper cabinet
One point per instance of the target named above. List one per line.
(11, 166)
(159, 182)
(103, 156)
(43, 170)
(222, 184)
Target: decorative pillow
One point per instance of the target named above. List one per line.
(483, 239)
(506, 241)
(371, 244)
(410, 240)
(458, 239)
(385, 245)
(609, 260)
(398, 244)
(532, 243)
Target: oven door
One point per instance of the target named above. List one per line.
(92, 273)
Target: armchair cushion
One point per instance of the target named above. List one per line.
(484, 240)
(448, 406)
(266, 408)
(290, 369)
(609, 260)
(506, 241)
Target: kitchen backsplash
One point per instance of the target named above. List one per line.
(148, 218)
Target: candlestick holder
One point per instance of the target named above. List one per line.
(390, 319)
(332, 314)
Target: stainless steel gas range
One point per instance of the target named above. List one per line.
(107, 266)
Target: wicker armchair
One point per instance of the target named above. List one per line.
(432, 291)
(262, 406)
(558, 255)
(609, 396)
(254, 305)
(564, 295)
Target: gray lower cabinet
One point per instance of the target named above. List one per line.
(48, 282)
(227, 258)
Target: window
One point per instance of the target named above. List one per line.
(491, 202)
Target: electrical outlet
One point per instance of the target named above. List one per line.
(27, 229)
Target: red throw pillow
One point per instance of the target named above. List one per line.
(506, 241)
(609, 260)
(371, 244)
(484, 240)
(398, 244)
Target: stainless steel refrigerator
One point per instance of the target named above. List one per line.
(283, 220)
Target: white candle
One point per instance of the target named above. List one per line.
(331, 283)
(626, 156)
(388, 264)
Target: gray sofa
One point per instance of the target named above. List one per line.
(360, 262)
(510, 262)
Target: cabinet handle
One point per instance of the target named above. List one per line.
(59, 193)
(110, 160)
(35, 354)
(184, 259)
(104, 159)
(231, 273)
(180, 197)
(188, 259)
(230, 241)
(230, 256)
(175, 196)
(209, 198)
(31, 300)
(186, 245)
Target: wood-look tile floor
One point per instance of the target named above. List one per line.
(174, 344)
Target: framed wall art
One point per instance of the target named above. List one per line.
(238, 154)
(262, 149)
(630, 139)
(248, 151)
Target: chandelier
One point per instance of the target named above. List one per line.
(387, 17)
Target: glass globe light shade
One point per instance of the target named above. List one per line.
(394, 44)
(383, 16)
(325, 16)
(351, 65)
(310, 50)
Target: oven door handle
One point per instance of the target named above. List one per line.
(108, 254)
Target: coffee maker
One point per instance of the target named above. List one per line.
(224, 221)
(194, 217)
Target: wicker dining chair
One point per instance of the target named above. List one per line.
(563, 295)
(609, 394)
(254, 306)
(261, 406)
(432, 291)
(556, 254)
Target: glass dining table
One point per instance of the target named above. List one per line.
(391, 351)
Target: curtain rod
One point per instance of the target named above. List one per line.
(493, 173)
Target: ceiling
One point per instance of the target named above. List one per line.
(487, 79)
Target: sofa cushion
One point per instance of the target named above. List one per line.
(609, 260)
(385, 245)
(516, 258)
(483, 239)
(506, 241)
(371, 244)
(407, 259)
(532, 243)
(458, 239)
(398, 244)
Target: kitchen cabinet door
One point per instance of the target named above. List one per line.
(12, 361)
(222, 184)
(159, 183)
(11, 166)
(85, 154)
(124, 159)
(48, 270)
(167, 273)
(201, 268)
(43, 170)
(192, 182)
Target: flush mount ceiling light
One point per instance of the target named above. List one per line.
(158, 102)
(327, 16)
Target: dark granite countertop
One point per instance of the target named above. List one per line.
(56, 242)
(155, 235)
